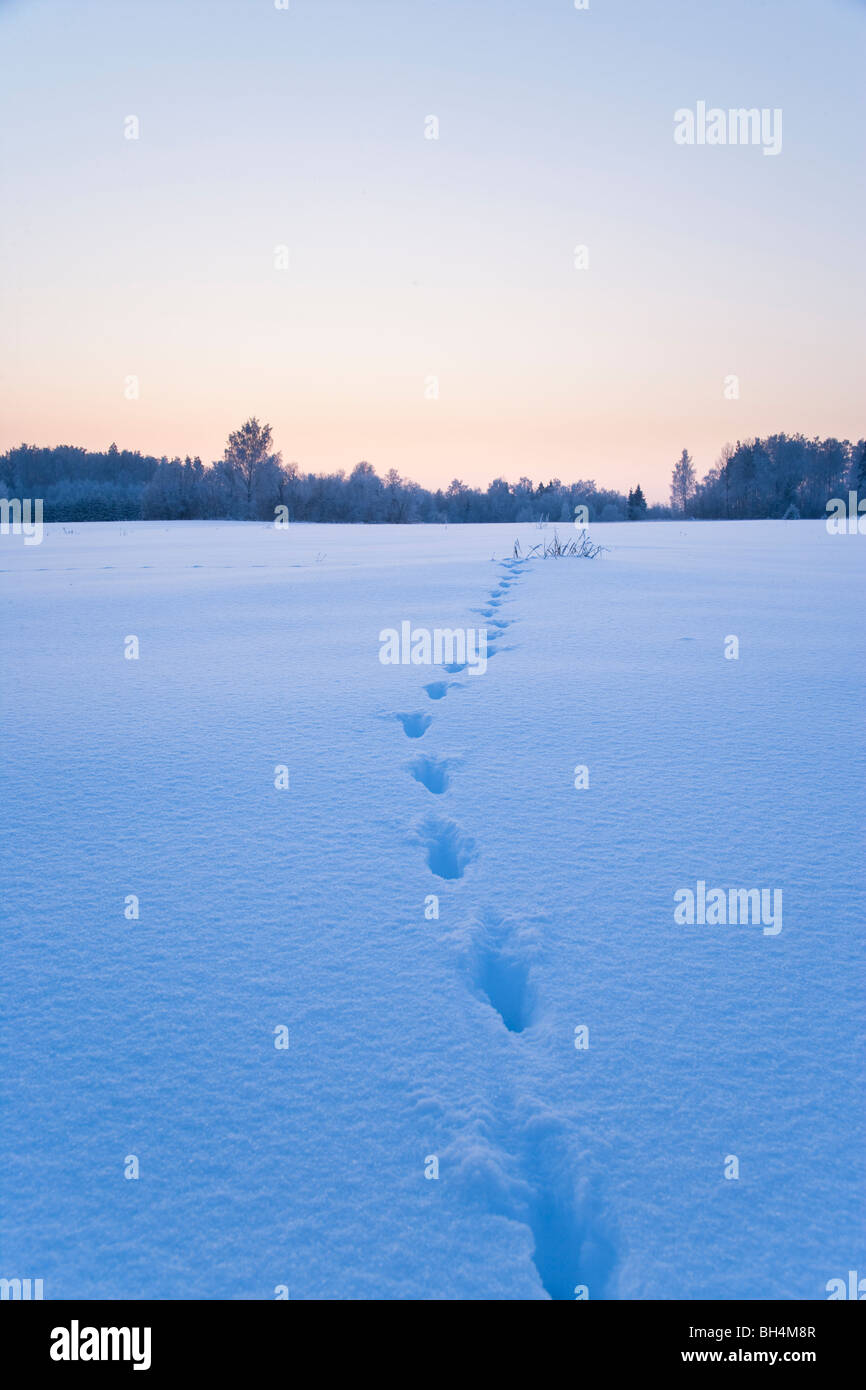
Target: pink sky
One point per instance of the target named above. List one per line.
(412, 259)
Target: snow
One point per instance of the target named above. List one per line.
(409, 1036)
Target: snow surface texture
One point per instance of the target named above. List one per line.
(411, 1038)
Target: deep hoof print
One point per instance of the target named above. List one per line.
(573, 1256)
(414, 725)
(449, 850)
(502, 976)
(432, 773)
(437, 690)
(455, 667)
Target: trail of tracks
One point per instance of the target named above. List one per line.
(527, 1152)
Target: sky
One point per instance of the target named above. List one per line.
(429, 312)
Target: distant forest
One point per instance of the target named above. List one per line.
(782, 475)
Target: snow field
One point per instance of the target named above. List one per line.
(413, 1037)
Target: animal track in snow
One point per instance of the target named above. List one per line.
(449, 850)
(571, 1246)
(432, 773)
(503, 977)
(520, 1162)
(524, 1166)
(437, 690)
(497, 954)
(414, 725)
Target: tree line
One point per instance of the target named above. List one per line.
(782, 475)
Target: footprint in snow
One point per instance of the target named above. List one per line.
(573, 1248)
(502, 976)
(414, 725)
(449, 849)
(432, 773)
(437, 690)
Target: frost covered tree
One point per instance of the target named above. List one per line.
(770, 477)
(682, 482)
(248, 463)
(365, 493)
(459, 500)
